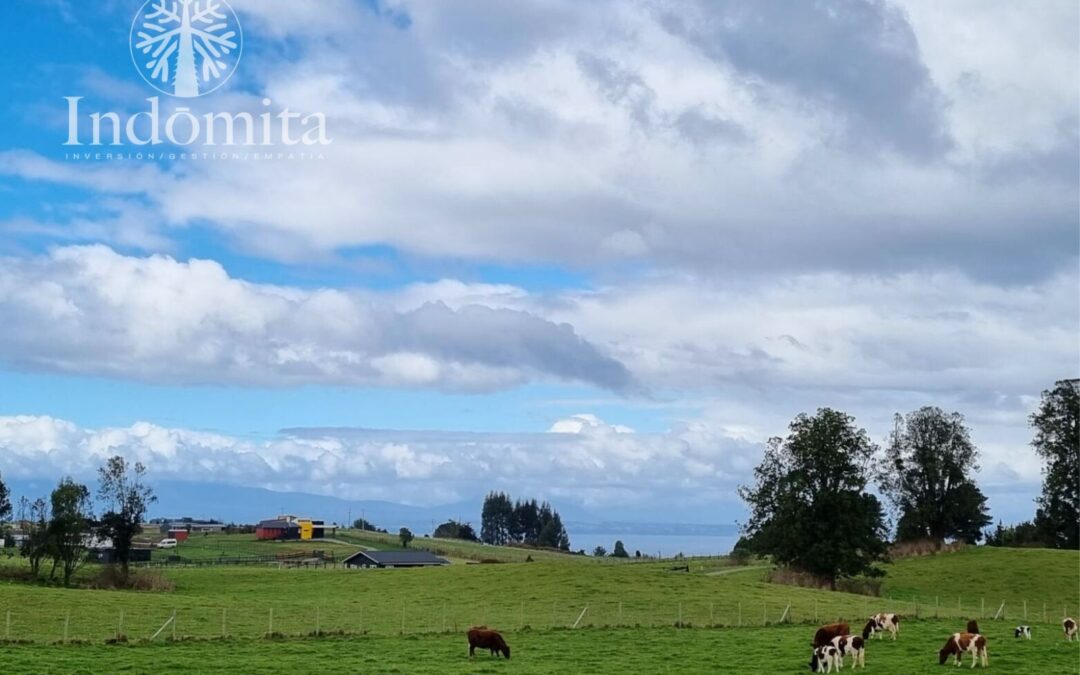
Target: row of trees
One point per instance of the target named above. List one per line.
(810, 507)
(503, 521)
(62, 528)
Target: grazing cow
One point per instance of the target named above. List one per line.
(853, 645)
(1070, 628)
(823, 659)
(879, 623)
(487, 639)
(1022, 632)
(958, 643)
(973, 626)
(825, 634)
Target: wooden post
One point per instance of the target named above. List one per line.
(402, 617)
(521, 615)
(815, 611)
(120, 626)
(317, 621)
(712, 619)
(935, 606)
(740, 612)
(360, 611)
(554, 620)
(581, 616)
(783, 616)
(271, 630)
(680, 614)
(1044, 612)
(224, 625)
(764, 613)
(620, 613)
(982, 609)
(444, 617)
(174, 625)
(67, 621)
(7, 623)
(1025, 610)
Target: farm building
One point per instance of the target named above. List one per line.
(394, 559)
(291, 527)
(178, 534)
(277, 529)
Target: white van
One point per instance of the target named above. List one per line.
(167, 543)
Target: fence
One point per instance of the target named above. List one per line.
(136, 622)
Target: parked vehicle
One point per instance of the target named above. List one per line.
(167, 543)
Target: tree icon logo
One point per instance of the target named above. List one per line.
(186, 48)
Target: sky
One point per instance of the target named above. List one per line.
(596, 253)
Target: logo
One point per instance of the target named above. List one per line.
(186, 48)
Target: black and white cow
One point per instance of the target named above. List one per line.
(852, 645)
(824, 659)
(1070, 628)
(879, 623)
(1022, 632)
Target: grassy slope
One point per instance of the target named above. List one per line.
(455, 548)
(540, 595)
(654, 650)
(999, 575)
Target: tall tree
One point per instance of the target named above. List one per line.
(620, 550)
(808, 506)
(121, 488)
(496, 519)
(5, 501)
(928, 476)
(1057, 441)
(552, 533)
(35, 517)
(69, 527)
(406, 536)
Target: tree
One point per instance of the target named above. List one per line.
(620, 550)
(553, 534)
(808, 506)
(191, 31)
(1016, 536)
(452, 529)
(363, 524)
(1057, 442)
(5, 501)
(120, 487)
(69, 526)
(496, 519)
(405, 536)
(599, 552)
(928, 477)
(36, 545)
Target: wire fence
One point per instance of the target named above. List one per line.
(137, 623)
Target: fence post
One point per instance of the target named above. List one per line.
(270, 632)
(764, 613)
(1025, 610)
(1044, 612)
(67, 621)
(224, 628)
(982, 609)
(679, 624)
(740, 612)
(581, 616)
(120, 626)
(402, 617)
(318, 627)
(444, 617)
(712, 619)
(815, 611)
(7, 624)
(620, 613)
(174, 625)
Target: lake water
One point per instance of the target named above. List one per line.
(667, 545)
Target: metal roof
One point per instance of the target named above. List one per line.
(277, 525)
(397, 558)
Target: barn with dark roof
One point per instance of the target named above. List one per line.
(415, 558)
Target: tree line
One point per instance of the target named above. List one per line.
(810, 507)
(61, 529)
(503, 521)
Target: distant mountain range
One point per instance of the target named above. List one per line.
(238, 504)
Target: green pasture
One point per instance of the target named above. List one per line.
(627, 650)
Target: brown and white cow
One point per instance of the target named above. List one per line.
(825, 634)
(851, 645)
(1070, 628)
(824, 658)
(879, 623)
(958, 643)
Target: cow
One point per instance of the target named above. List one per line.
(823, 659)
(825, 634)
(853, 645)
(1022, 632)
(958, 643)
(1070, 628)
(487, 639)
(973, 626)
(879, 623)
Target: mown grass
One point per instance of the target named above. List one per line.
(213, 545)
(456, 548)
(628, 650)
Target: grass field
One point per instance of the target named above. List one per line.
(642, 650)
(410, 619)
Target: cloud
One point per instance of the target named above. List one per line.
(719, 138)
(609, 464)
(92, 311)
